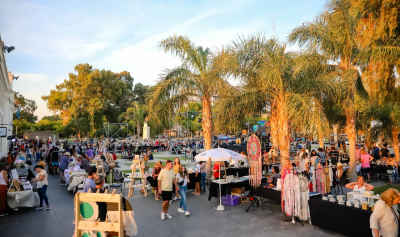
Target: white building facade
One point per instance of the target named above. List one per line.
(6, 100)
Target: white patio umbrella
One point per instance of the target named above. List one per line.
(219, 154)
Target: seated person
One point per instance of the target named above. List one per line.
(89, 181)
(275, 176)
(360, 186)
(99, 181)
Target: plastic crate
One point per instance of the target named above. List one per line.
(225, 200)
(230, 200)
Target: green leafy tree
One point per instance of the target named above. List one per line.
(76, 126)
(136, 115)
(20, 126)
(91, 94)
(140, 93)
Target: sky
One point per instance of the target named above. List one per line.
(52, 37)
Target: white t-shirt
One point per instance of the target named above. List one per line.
(44, 181)
(303, 164)
(2, 180)
(362, 189)
(179, 177)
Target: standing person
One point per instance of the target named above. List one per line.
(64, 165)
(42, 177)
(3, 188)
(154, 184)
(216, 170)
(333, 155)
(177, 166)
(358, 153)
(375, 152)
(37, 152)
(166, 179)
(384, 153)
(54, 161)
(197, 179)
(314, 155)
(303, 161)
(182, 179)
(203, 175)
(384, 220)
(365, 159)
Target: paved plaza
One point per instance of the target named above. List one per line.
(203, 221)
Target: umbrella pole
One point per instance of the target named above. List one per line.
(220, 207)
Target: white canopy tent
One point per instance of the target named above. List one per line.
(219, 154)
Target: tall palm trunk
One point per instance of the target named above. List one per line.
(395, 134)
(207, 130)
(335, 132)
(274, 127)
(351, 133)
(320, 137)
(283, 131)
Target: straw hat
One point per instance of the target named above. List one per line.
(67, 153)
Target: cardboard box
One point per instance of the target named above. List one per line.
(238, 190)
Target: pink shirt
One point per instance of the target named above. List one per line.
(365, 161)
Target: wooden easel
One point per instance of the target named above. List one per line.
(138, 164)
(81, 225)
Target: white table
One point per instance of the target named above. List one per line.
(358, 168)
(22, 199)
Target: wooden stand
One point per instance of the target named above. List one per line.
(97, 225)
(138, 164)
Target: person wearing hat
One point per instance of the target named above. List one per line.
(64, 161)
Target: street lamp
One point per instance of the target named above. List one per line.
(9, 48)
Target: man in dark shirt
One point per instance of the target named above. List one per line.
(375, 152)
(54, 160)
(333, 155)
(384, 152)
(99, 181)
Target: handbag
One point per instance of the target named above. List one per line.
(39, 184)
(397, 220)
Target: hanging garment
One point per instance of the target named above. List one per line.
(291, 193)
(285, 171)
(304, 214)
(319, 180)
(327, 179)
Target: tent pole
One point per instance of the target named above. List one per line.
(220, 207)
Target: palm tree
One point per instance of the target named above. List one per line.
(198, 78)
(333, 33)
(136, 113)
(289, 83)
(77, 126)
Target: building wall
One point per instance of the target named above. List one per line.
(6, 100)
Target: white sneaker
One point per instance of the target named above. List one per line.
(179, 197)
(168, 216)
(187, 213)
(170, 201)
(175, 198)
(181, 210)
(162, 216)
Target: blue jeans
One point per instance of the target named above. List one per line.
(42, 195)
(182, 193)
(37, 156)
(203, 181)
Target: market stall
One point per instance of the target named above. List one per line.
(226, 187)
(348, 221)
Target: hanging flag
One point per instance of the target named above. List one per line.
(18, 114)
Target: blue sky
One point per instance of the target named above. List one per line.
(51, 37)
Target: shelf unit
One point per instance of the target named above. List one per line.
(138, 164)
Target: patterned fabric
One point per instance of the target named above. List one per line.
(84, 164)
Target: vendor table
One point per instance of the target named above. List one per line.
(22, 199)
(348, 221)
(225, 188)
(244, 171)
(268, 193)
(358, 168)
(378, 168)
